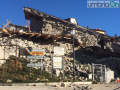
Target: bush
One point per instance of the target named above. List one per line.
(95, 82)
(54, 79)
(17, 80)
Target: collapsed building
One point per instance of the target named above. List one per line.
(46, 32)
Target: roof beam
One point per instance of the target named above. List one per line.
(21, 33)
(31, 35)
(67, 37)
(38, 35)
(6, 32)
(47, 37)
(6, 24)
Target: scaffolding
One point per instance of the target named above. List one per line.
(99, 72)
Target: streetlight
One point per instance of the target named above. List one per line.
(73, 33)
(4, 61)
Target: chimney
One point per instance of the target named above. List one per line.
(98, 28)
(87, 27)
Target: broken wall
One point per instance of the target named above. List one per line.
(84, 36)
(36, 25)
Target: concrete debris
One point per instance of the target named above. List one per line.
(45, 80)
(81, 87)
(8, 81)
(61, 84)
(86, 88)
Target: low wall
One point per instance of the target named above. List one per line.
(40, 84)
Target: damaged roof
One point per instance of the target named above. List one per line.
(30, 12)
(18, 26)
(37, 36)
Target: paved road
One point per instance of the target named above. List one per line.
(93, 86)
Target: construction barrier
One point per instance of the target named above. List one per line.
(118, 80)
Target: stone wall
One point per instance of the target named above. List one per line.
(84, 36)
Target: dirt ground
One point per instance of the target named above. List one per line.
(93, 87)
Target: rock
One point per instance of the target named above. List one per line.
(38, 79)
(79, 79)
(45, 80)
(63, 85)
(70, 77)
(8, 80)
(85, 87)
(88, 87)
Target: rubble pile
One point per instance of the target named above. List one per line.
(11, 50)
(87, 39)
(82, 59)
(85, 67)
(68, 58)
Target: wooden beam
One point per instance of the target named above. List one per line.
(67, 37)
(7, 29)
(21, 33)
(37, 36)
(58, 37)
(47, 37)
(31, 35)
(55, 38)
(6, 24)
(6, 32)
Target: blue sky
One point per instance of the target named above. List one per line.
(107, 19)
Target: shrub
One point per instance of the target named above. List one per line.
(95, 82)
